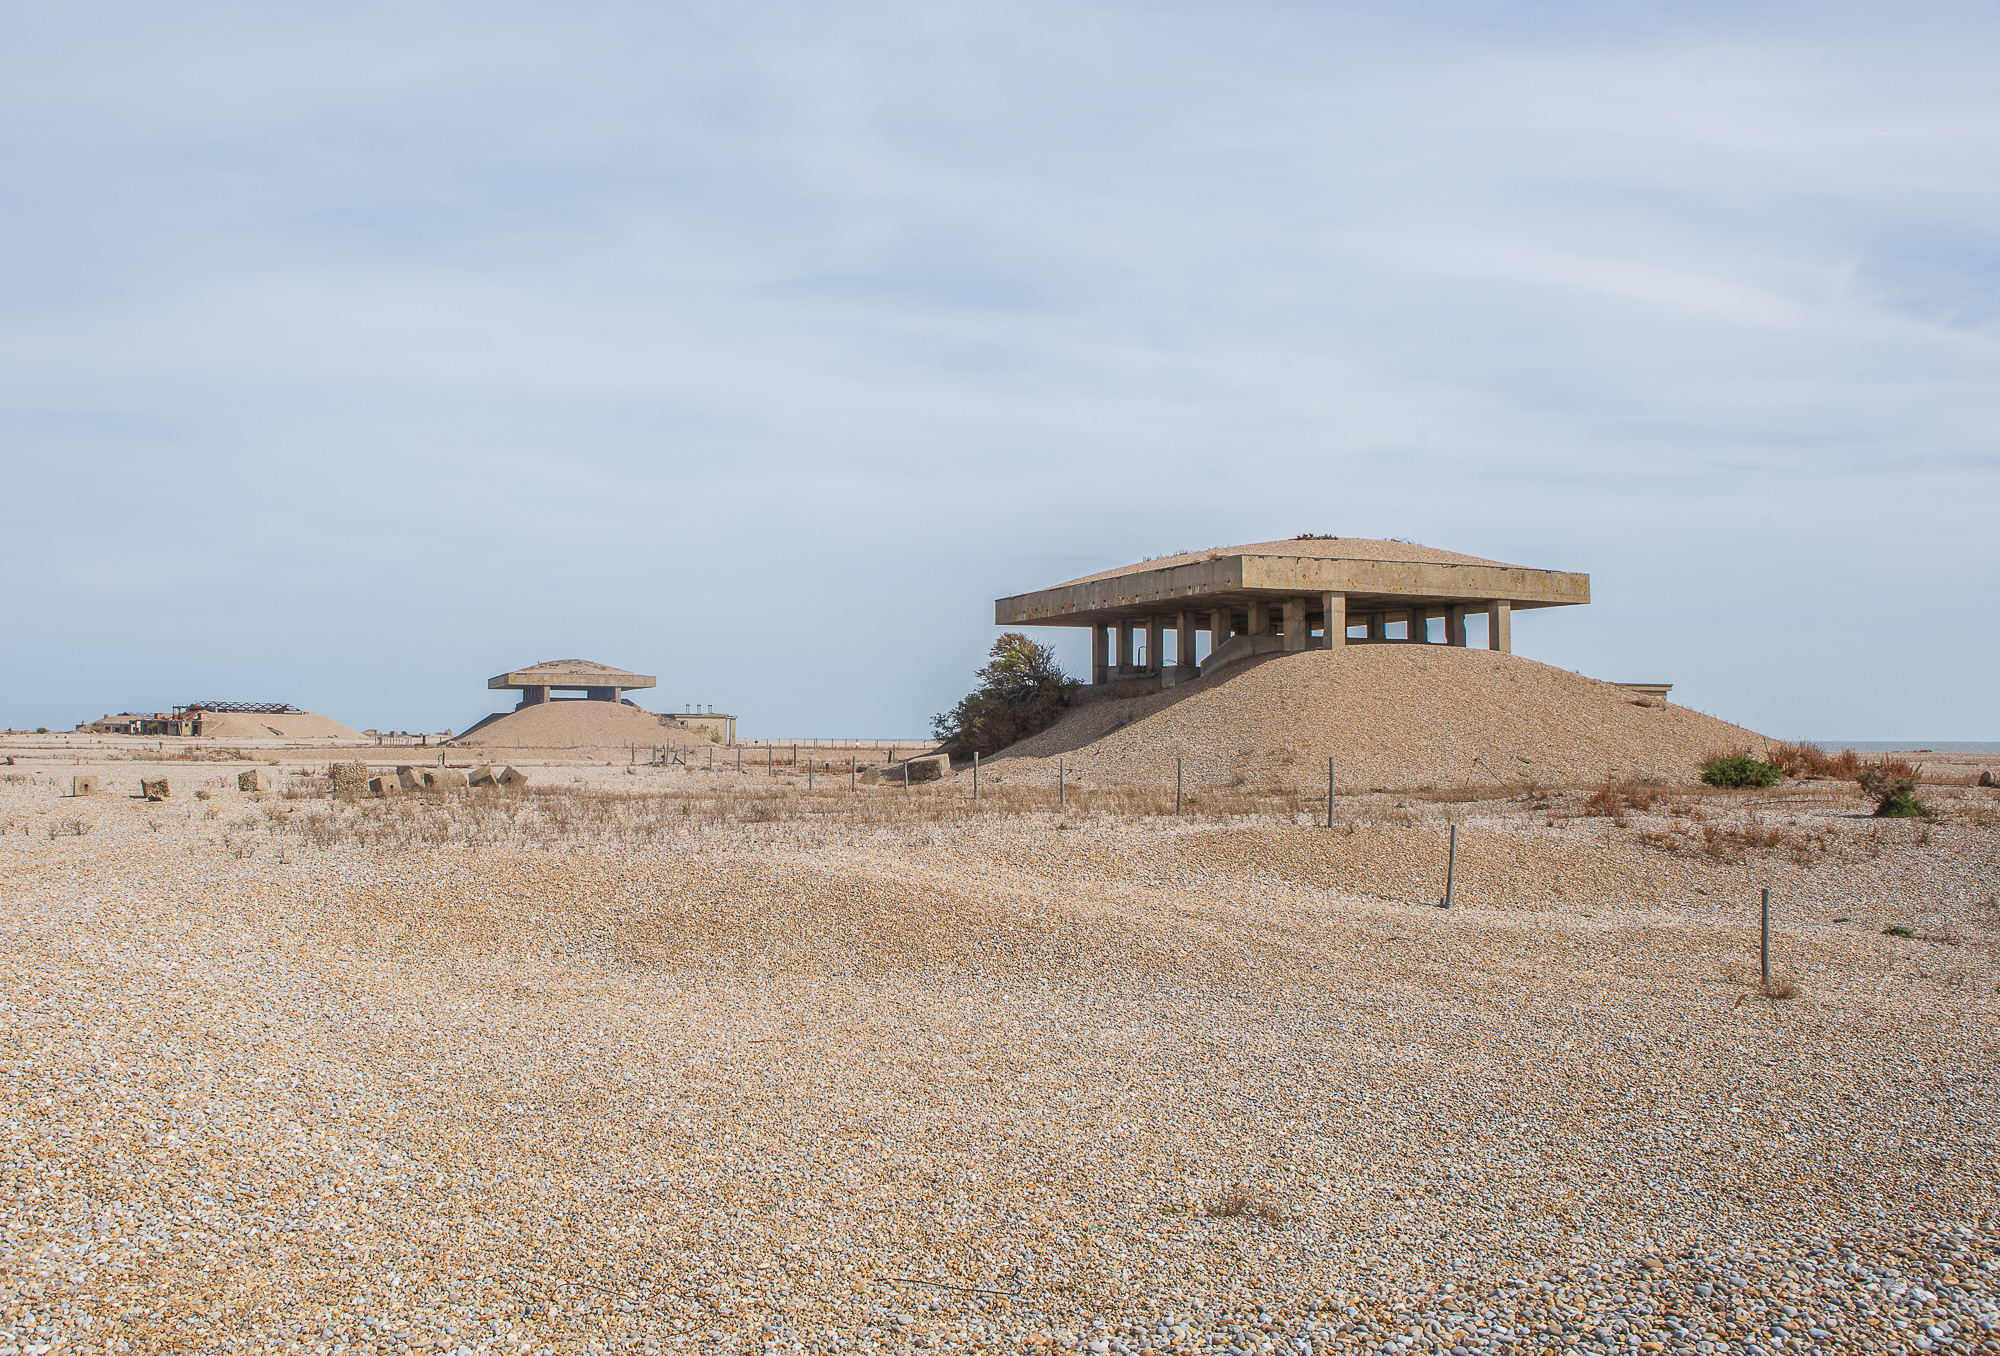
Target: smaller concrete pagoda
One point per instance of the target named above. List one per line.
(597, 682)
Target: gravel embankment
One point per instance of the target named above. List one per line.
(1390, 716)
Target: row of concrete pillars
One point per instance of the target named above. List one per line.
(535, 696)
(1293, 620)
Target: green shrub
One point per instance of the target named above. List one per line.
(1739, 769)
(1893, 784)
(1022, 691)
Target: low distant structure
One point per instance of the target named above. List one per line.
(173, 722)
(597, 682)
(712, 724)
(1647, 694)
(183, 720)
(1311, 592)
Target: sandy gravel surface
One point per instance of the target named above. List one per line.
(1390, 715)
(296, 725)
(577, 728)
(585, 1070)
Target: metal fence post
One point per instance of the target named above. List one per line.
(1450, 866)
(1177, 785)
(1062, 787)
(1329, 793)
(975, 774)
(1764, 946)
(852, 763)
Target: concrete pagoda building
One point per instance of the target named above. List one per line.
(1304, 594)
(597, 682)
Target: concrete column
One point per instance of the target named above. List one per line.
(1334, 605)
(603, 694)
(534, 696)
(1454, 625)
(1378, 626)
(1420, 630)
(1295, 623)
(1500, 626)
(1100, 653)
(1218, 629)
(1184, 641)
(1260, 618)
(1124, 647)
(1156, 643)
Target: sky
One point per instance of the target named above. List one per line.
(350, 355)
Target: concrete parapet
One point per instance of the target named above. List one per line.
(1240, 647)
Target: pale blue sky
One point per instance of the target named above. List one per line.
(349, 357)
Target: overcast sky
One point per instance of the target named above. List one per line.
(350, 355)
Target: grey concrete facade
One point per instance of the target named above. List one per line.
(1273, 600)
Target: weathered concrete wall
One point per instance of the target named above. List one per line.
(1237, 580)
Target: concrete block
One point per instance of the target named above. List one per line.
(444, 779)
(204, 795)
(349, 779)
(410, 778)
(155, 788)
(256, 779)
(385, 785)
(83, 786)
(929, 768)
(482, 776)
(511, 778)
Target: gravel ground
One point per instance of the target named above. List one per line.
(583, 1071)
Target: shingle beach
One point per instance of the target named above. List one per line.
(671, 1059)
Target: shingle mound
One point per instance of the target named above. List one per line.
(577, 728)
(1392, 716)
(1309, 548)
(296, 725)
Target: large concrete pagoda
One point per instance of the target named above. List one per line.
(597, 682)
(1275, 595)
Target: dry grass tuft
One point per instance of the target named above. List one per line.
(1806, 759)
(1614, 798)
(1242, 1204)
(1781, 985)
